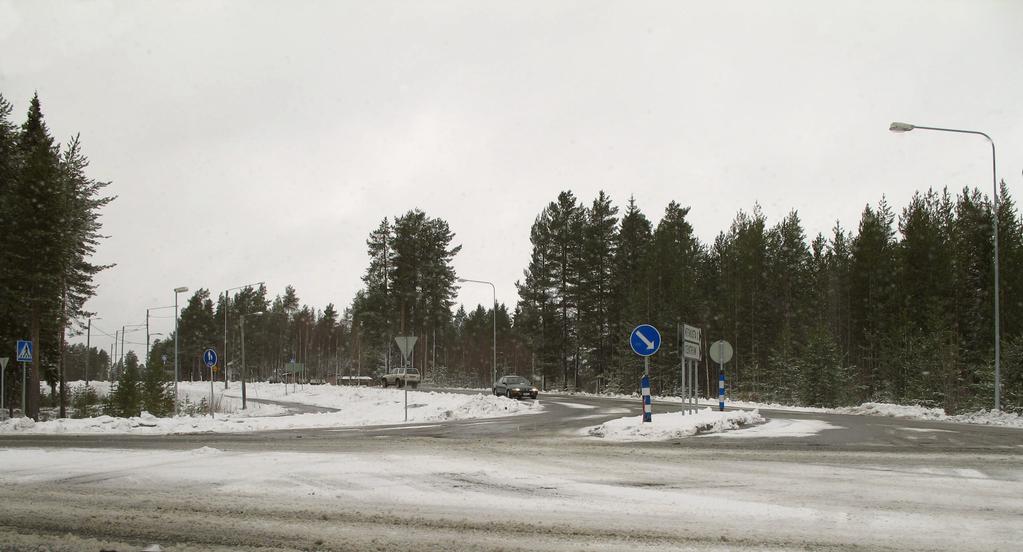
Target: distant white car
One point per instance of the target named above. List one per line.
(400, 377)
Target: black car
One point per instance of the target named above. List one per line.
(515, 387)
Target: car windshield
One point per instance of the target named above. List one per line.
(517, 381)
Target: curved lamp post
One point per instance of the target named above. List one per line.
(227, 303)
(494, 289)
(177, 374)
(244, 366)
(906, 127)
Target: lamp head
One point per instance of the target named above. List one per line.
(181, 289)
(901, 127)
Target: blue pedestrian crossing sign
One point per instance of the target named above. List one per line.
(645, 340)
(209, 358)
(24, 351)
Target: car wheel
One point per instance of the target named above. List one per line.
(385, 384)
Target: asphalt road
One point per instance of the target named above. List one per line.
(532, 482)
(566, 416)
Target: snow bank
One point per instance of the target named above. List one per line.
(981, 417)
(361, 407)
(675, 425)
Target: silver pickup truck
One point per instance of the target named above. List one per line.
(399, 377)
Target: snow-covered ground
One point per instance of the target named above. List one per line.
(353, 406)
(674, 425)
(432, 496)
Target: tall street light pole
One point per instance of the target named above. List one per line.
(177, 373)
(905, 127)
(494, 289)
(88, 348)
(244, 366)
(147, 328)
(122, 339)
(227, 301)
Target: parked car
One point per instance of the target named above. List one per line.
(400, 377)
(515, 387)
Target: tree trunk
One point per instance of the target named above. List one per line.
(32, 408)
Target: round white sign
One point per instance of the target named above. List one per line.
(721, 351)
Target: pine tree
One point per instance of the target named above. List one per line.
(674, 268)
(873, 298)
(11, 324)
(126, 399)
(38, 202)
(156, 394)
(595, 292)
(198, 330)
(632, 292)
(537, 308)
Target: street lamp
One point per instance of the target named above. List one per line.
(147, 328)
(494, 289)
(177, 374)
(136, 326)
(906, 127)
(88, 348)
(244, 369)
(227, 301)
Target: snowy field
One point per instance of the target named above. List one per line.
(349, 406)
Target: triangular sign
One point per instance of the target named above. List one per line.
(405, 344)
(25, 353)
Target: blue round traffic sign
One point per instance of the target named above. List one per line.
(645, 340)
(209, 357)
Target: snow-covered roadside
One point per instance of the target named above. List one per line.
(674, 425)
(982, 417)
(357, 406)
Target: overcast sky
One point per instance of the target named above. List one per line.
(253, 141)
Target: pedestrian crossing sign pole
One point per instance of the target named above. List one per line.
(24, 350)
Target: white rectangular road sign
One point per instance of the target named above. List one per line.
(690, 333)
(691, 351)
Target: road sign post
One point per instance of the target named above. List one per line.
(209, 358)
(647, 405)
(721, 352)
(24, 356)
(405, 344)
(690, 348)
(645, 341)
(3, 390)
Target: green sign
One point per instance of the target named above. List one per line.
(294, 368)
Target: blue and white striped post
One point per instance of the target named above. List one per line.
(721, 392)
(647, 405)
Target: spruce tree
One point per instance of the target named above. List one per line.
(125, 400)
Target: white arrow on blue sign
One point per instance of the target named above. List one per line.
(24, 351)
(645, 340)
(209, 358)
